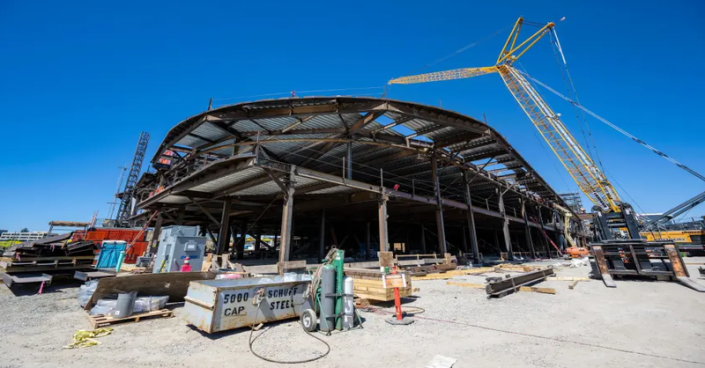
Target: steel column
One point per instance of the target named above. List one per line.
(287, 213)
(258, 239)
(224, 232)
(440, 224)
(544, 241)
(470, 215)
(527, 229)
(155, 234)
(505, 227)
(382, 219)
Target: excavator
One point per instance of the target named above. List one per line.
(633, 256)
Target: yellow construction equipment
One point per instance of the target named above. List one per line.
(591, 180)
(619, 258)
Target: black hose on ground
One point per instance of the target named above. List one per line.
(252, 330)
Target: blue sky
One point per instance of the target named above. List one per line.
(80, 80)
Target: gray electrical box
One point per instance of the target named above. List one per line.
(175, 244)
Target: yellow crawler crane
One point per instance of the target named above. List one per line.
(619, 258)
(591, 180)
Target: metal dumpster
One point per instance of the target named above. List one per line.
(218, 305)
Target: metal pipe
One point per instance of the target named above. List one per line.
(224, 233)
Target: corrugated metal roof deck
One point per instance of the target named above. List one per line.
(314, 132)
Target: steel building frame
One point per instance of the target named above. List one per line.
(260, 165)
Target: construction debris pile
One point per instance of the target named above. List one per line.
(56, 253)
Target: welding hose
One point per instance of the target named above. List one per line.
(252, 330)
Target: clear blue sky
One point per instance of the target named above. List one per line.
(79, 81)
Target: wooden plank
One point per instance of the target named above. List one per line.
(366, 282)
(520, 268)
(374, 290)
(538, 290)
(573, 284)
(207, 263)
(473, 271)
(466, 284)
(435, 276)
(102, 321)
(384, 297)
(568, 279)
(451, 274)
(173, 284)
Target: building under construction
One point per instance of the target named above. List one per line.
(363, 174)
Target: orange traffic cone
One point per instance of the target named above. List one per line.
(186, 267)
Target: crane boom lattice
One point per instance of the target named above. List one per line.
(579, 165)
(124, 211)
(445, 75)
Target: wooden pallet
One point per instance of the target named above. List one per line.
(102, 321)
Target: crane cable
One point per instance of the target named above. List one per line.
(464, 48)
(580, 114)
(615, 127)
(459, 51)
(573, 92)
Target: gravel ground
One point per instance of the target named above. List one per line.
(638, 324)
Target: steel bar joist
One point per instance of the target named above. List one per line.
(251, 160)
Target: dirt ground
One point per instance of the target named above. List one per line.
(638, 324)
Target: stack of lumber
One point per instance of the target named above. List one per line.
(48, 254)
(367, 284)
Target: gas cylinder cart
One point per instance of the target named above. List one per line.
(334, 308)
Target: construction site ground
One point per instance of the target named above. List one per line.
(638, 324)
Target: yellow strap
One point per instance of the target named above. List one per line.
(84, 338)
